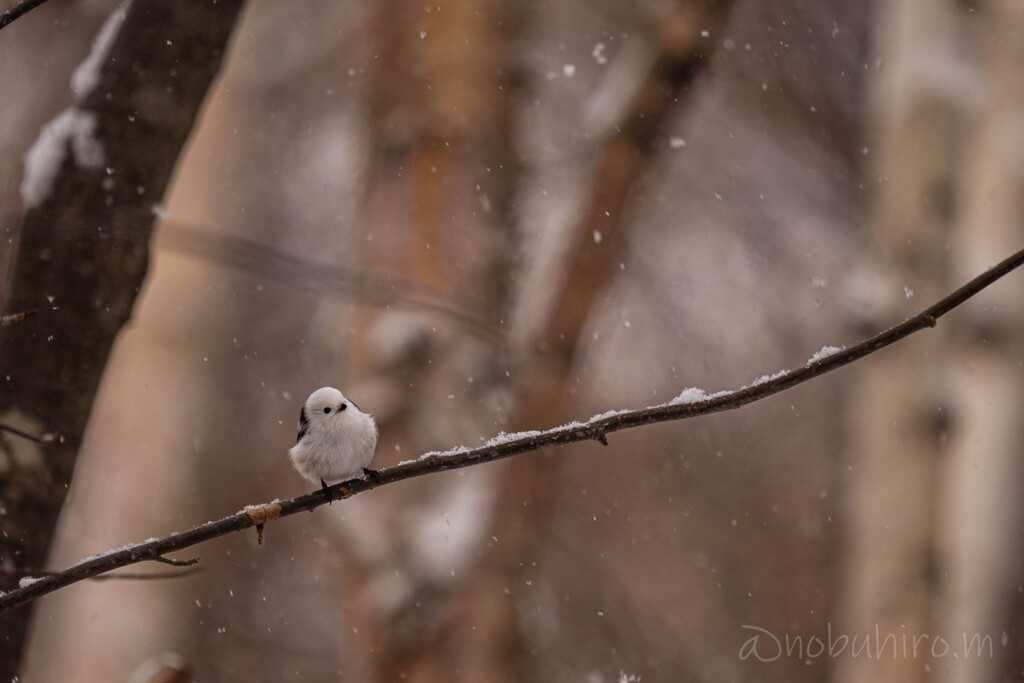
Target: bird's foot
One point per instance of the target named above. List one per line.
(327, 492)
(372, 475)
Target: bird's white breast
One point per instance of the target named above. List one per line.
(336, 449)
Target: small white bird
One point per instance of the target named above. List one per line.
(336, 440)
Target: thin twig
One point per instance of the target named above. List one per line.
(176, 563)
(374, 289)
(126, 576)
(597, 428)
(21, 8)
(45, 438)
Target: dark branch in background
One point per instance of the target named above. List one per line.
(21, 8)
(49, 437)
(597, 428)
(374, 289)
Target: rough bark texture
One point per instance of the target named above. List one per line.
(81, 259)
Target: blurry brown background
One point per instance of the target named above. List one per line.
(479, 216)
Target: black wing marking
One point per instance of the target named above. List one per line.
(354, 403)
(303, 424)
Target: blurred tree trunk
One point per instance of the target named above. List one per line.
(682, 42)
(898, 418)
(979, 530)
(81, 258)
(444, 173)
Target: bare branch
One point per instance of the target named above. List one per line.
(504, 446)
(49, 437)
(21, 8)
(125, 576)
(176, 563)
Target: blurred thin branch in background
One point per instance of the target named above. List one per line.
(332, 279)
(45, 438)
(690, 403)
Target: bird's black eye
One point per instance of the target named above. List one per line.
(342, 406)
(327, 409)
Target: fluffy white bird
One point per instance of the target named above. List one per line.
(336, 440)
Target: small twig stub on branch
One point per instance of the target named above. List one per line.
(176, 563)
(260, 515)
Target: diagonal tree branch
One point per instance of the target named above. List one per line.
(691, 403)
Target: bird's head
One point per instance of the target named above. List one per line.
(327, 404)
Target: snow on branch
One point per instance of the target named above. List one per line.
(691, 402)
(21, 8)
